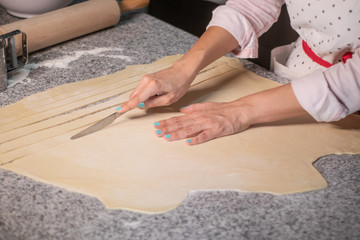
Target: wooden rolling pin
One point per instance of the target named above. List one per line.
(70, 22)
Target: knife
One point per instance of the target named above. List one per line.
(98, 125)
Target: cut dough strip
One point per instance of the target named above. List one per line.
(49, 138)
(52, 122)
(69, 104)
(43, 101)
(56, 112)
(60, 107)
(17, 147)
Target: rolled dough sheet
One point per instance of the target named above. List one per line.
(126, 166)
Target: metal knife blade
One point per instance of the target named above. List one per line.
(98, 125)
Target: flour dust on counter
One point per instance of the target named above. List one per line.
(126, 166)
(21, 75)
(64, 61)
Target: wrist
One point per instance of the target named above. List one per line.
(243, 114)
(191, 63)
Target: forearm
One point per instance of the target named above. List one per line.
(272, 105)
(266, 106)
(213, 44)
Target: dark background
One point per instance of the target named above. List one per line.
(194, 15)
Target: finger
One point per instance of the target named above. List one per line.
(131, 104)
(174, 124)
(202, 137)
(190, 131)
(142, 92)
(144, 83)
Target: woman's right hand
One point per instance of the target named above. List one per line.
(160, 88)
(167, 86)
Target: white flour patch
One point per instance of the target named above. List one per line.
(20, 75)
(63, 62)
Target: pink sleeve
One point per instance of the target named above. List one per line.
(246, 20)
(331, 94)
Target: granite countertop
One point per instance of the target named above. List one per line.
(33, 210)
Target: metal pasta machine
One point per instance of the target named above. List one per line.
(9, 61)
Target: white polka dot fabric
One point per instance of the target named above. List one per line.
(331, 28)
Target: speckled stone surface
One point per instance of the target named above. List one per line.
(33, 210)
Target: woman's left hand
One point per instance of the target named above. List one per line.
(205, 121)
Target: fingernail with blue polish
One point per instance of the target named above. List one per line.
(189, 140)
(141, 105)
(158, 131)
(156, 124)
(118, 108)
(167, 136)
(183, 107)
